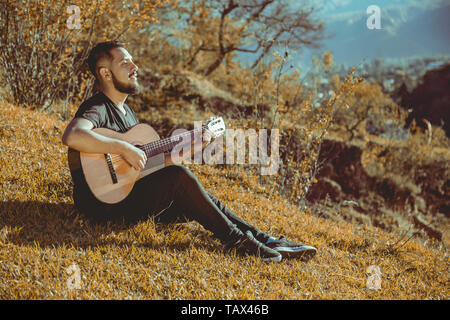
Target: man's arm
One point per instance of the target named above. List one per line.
(80, 136)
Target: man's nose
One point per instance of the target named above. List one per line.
(134, 68)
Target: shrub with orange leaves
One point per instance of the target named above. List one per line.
(43, 50)
(303, 125)
(369, 108)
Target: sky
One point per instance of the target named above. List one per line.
(409, 28)
(340, 6)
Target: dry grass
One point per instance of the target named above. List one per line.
(41, 236)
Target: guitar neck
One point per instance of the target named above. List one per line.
(167, 144)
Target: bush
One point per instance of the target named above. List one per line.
(42, 56)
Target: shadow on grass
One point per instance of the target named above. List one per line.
(59, 224)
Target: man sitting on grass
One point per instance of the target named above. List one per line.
(170, 194)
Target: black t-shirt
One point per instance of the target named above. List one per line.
(103, 113)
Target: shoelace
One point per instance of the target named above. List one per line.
(272, 239)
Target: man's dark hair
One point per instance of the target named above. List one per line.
(101, 50)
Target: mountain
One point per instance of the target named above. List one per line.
(417, 29)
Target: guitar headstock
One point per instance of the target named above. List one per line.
(216, 125)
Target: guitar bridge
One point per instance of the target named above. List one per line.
(112, 172)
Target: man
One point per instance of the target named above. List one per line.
(170, 194)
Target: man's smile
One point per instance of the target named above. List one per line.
(133, 76)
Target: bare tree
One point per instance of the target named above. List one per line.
(252, 26)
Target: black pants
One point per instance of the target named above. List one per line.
(173, 194)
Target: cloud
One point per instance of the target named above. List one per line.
(340, 3)
(341, 6)
(356, 10)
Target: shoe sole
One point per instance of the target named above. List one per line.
(274, 259)
(305, 253)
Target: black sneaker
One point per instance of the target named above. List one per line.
(250, 245)
(289, 249)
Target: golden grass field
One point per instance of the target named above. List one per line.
(41, 235)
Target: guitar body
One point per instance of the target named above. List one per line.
(110, 178)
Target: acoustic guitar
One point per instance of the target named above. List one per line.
(110, 177)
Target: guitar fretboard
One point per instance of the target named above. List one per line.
(167, 144)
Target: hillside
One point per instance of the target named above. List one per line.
(41, 236)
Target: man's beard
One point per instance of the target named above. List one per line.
(129, 89)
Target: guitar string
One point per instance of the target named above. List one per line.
(160, 143)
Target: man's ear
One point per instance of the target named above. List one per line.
(104, 73)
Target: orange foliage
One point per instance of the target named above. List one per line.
(42, 57)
